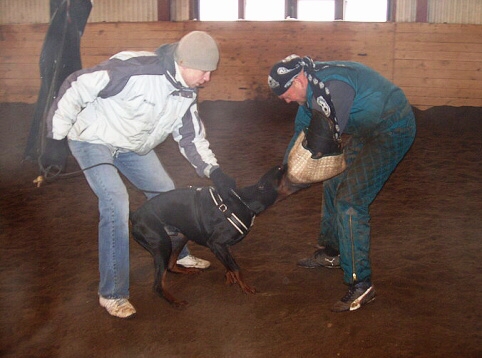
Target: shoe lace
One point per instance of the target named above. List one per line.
(349, 295)
(355, 291)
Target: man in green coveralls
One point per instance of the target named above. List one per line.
(381, 123)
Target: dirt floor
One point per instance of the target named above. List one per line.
(426, 255)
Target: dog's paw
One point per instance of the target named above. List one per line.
(173, 301)
(235, 277)
(248, 289)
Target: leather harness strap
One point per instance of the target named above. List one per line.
(229, 215)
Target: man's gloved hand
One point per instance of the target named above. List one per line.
(222, 182)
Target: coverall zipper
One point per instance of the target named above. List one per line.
(352, 251)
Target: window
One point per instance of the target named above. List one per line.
(366, 10)
(305, 10)
(316, 10)
(264, 10)
(218, 10)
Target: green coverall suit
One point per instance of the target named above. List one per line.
(382, 128)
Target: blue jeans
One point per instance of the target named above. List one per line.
(143, 171)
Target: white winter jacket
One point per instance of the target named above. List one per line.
(132, 102)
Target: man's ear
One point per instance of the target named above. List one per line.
(297, 83)
(300, 80)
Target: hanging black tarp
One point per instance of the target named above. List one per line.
(60, 56)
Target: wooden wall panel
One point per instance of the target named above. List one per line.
(435, 64)
(102, 40)
(439, 64)
(249, 49)
(20, 47)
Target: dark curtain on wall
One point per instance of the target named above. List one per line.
(60, 56)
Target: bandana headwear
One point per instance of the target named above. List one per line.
(283, 73)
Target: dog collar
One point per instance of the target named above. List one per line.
(228, 214)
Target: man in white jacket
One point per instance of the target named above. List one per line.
(113, 116)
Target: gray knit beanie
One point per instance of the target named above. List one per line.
(197, 50)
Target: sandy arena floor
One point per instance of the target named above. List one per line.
(426, 255)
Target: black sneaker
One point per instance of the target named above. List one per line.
(320, 259)
(358, 295)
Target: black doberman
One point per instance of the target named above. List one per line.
(202, 216)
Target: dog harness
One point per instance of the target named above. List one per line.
(229, 214)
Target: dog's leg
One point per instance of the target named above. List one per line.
(223, 254)
(159, 246)
(161, 262)
(169, 298)
(233, 277)
(178, 241)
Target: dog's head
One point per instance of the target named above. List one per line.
(287, 187)
(265, 192)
